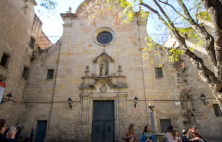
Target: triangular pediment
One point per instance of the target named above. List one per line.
(103, 56)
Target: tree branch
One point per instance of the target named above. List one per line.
(157, 13)
(208, 39)
(197, 12)
(166, 3)
(207, 75)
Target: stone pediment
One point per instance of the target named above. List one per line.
(103, 56)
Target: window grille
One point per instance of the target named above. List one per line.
(217, 110)
(4, 60)
(25, 72)
(32, 43)
(50, 74)
(158, 72)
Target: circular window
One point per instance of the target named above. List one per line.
(104, 38)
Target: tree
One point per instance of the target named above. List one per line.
(47, 6)
(213, 45)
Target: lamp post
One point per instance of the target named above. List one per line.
(69, 102)
(135, 101)
(203, 98)
(153, 118)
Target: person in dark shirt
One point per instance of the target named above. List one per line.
(2, 130)
(184, 138)
(18, 132)
(31, 134)
(193, 133)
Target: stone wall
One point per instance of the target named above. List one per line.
(14, 40)
(16, 30)
(204, 115)
(38, 93)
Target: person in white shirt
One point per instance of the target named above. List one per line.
(170, 134)
(176, 135)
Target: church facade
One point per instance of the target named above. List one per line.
(93, 83)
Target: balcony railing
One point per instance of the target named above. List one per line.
(160, 137)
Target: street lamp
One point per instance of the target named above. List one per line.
(203, 98)
(69, 102)
(135, 101)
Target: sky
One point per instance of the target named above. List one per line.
(52, 23)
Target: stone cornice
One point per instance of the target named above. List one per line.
(97, 77)
(68, 15)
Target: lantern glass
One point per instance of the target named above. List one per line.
(69, 100)
(135, 100)
(203, 97)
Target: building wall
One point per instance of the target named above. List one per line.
(38, 92)
(204, 115)
(16, 31)
(175, 95)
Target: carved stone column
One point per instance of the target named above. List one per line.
(153, 118)
(85, 108)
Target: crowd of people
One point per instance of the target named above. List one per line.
(171, 135)
(12, 133)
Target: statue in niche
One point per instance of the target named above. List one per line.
(103, 69)
(103, 88)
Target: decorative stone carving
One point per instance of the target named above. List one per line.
(103, 56)
(103, 79)
(103, 88)
(70, 9)
(103, 69)
(87, 72)
(120, 72)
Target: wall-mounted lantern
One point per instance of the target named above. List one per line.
(69, 102)
(135, 101)
(9, 96)
(203, 98)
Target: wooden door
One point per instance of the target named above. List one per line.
(103, 121)
(40, 131)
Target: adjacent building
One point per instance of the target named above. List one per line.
(20, 36)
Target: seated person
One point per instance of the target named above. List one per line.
(10, 136)
(169, 136)
(193, 133)
(148, 136)
(176, 135)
